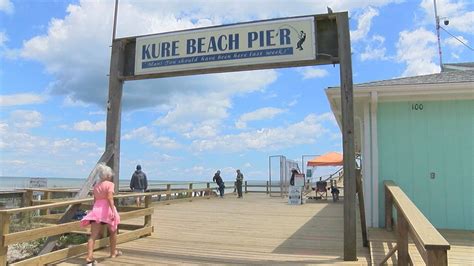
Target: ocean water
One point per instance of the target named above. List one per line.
(8, 183)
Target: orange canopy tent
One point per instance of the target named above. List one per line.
(328, 159)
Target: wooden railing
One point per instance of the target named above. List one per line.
(126, 213)
(431, 245)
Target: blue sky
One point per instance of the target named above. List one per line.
(54, 61)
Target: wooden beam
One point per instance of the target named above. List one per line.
(388, 208)
(79, 249)
(72, 209)
(36, 233)
(360, 196)
(4, 229)
(345, 61)
(114, 107)
(402, 240)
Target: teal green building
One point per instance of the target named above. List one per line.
(419, 132)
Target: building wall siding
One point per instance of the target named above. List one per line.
(437, 139)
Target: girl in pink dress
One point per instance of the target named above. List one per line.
(103, 212)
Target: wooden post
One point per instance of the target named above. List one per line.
(246, 191)
(114, 106)
(360, 195)
(168, 193)
(437, 257)
(27, 197)
(267, 187)
(345, 67)
(209, 192)
(47, 196)
(148, 217)
(388, 209)
(190, 193)
(4, 229)
(402, 240)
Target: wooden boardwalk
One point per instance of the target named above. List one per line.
(461, 252)
(254, 230)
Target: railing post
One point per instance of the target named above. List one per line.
(190, 192)
(4, 230)
(402, 240)
(437, 257)
(147, 217)
(388, 209)
(246, 191)
(209, 192)
(47, 196)
(168, 193)
(267, 188)
(27, 198)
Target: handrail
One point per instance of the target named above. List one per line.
(411, 222)
(7, 238)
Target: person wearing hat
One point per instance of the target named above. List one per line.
(139, 182)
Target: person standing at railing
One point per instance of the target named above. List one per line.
(138, 183)
(218, 179)
(238, 183)
(103, 212)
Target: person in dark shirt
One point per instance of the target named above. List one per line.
(139, 182)
(218, 179)
(238, 183)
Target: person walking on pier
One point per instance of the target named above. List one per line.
(103, 212)
(139, 183)
(238, 183)
(218, 179)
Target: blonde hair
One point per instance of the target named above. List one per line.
(105, 172)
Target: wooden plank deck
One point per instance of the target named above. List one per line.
(254, 230)
(461, 252)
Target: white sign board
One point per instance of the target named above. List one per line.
(38, 183)
(295, 195)
(275, 41)
(299, 180)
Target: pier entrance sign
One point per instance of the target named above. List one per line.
(276, 43)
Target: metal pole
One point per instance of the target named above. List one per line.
(115, 21)
(438, 35)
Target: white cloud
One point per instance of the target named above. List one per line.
(80, 162)
(417, 49)
(87, 125)
(312, 72)
(375, 49)
(259, 114)
(3, 38)
(81, 74)
(455, 43)
(206, 129)
(25, 119)
(147, 135)
(21, 99)
(304, 132)
(6, 6)
(69, 101)
(364, 22)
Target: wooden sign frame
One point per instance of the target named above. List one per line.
(332, 46)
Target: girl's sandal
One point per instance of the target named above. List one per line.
(117, 253)
(91, 262)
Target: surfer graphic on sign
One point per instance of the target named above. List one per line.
(302, 37)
